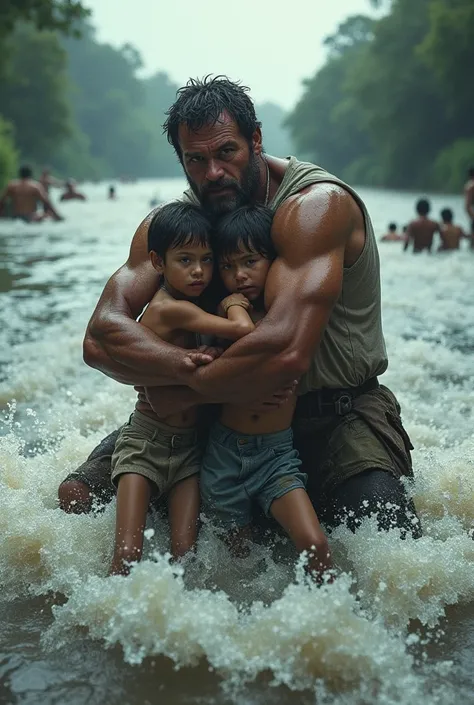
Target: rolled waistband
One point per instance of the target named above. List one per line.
(224, 435)
(150, 426)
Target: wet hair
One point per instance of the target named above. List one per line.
(471, 172)
(423, 206)
(246, 228)
(202, 101)
(178, 224)
(447, 215)
(25, 172)
(392, 227)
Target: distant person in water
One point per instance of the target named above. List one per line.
(47, 181)
(421, 231)
(70, 194)
(391, 235)
(469, 201)
(24, 194)
(451, 235)
(112, 194)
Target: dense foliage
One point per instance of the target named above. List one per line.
(393, 105)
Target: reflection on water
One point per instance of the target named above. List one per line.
(396, 627)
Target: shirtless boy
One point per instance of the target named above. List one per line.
(451, 234)
(421, 231)
(24, 195)
(154, 455)
(250, 455)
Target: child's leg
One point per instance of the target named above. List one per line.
(183, 513)
(295, 513)
(133, 499)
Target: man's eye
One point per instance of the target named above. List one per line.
(193, 160)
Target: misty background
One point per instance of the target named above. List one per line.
(378, 92)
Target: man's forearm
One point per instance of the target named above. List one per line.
(132, 354)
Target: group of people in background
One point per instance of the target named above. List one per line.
(28, 199)
(420, 232)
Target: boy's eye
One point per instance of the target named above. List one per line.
(251, 261)
(207, 260)
(225, 267)
(185, 260)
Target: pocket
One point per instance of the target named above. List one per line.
(396, 423)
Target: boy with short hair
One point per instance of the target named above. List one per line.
(158, 456)
(250, 455)
(391, 235)
(451, 235)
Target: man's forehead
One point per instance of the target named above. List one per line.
(224, 127)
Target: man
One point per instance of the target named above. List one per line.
(323, 322)
(451, 235)
(24, 195)
(421, 231)
(71, 193)
(469, 201)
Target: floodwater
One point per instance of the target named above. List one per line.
(397, 626)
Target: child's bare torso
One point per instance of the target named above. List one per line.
(180, 338)
(250, 421)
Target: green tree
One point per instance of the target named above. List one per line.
(8, 154)
(61, 15)
(34, 93)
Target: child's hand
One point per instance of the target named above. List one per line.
(203, 355)
(234, 300)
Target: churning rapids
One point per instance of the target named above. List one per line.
(397, 626)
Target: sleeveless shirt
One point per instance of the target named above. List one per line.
(352, 347)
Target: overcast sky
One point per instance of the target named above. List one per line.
(271, 50)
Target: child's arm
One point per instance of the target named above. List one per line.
(184, 315)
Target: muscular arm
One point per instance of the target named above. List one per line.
(310, 231)
(115, 343)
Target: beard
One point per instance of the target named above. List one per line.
(217, 205)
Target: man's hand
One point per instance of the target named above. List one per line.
(203, 355)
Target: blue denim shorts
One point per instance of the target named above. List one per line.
(238, 469)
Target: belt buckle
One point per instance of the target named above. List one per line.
(343, 405)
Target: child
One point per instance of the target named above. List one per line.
(451, 234)
(391, 235)
(157, 456)
(250, 455)
(422, 230)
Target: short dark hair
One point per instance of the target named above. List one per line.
(471, 172)
(423, 206)
(447, 215)
(248, 227)
(25, 172)
(178, 224)
(202, 101)
(392, 227)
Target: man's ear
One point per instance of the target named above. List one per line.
(257, 142)
(157, 262)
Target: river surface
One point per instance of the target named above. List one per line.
(397, 626)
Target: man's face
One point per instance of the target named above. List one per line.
(220, 165)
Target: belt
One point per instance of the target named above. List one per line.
(331, 402)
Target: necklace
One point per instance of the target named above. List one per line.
(267, 190)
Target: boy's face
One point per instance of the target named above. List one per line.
(187, 270)
(245, 272)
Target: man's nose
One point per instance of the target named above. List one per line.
(214, 171)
